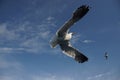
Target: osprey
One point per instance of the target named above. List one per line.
(63, 37)
(106, 55)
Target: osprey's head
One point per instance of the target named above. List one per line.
(72, 33)
(69, 35)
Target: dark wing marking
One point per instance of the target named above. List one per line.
(80, 12)
(72, 52)
(77, 15)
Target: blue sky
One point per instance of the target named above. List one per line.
(26, 27)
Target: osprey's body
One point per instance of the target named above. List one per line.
(57, 40)
(63, 37)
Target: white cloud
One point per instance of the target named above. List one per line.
(51, 77)
(44, 35)
(25, 36)
(100, 76)
(40, 36)
(10, 69)
(88, 41)
(13, 70)
(8, 78)
(9, 65)
(50, 18)
(7, 34)
(35, 45)
(10, 50)
(35, 77)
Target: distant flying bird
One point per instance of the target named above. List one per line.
(106, 55)
(63, 37)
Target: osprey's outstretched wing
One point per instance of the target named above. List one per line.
(77, 15)
(72, 52)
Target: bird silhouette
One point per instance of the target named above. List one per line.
(63, 36)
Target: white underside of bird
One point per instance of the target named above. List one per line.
(55, 39)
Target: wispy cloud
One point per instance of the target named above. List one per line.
(26, 36)
(6, 34)
(11, 77)
(10, 69)
(35, 77)
(14, 70)
(9, 65)
(88, 41)
(49, 19)
(52, 77)
(100, 76)
(10, 50)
